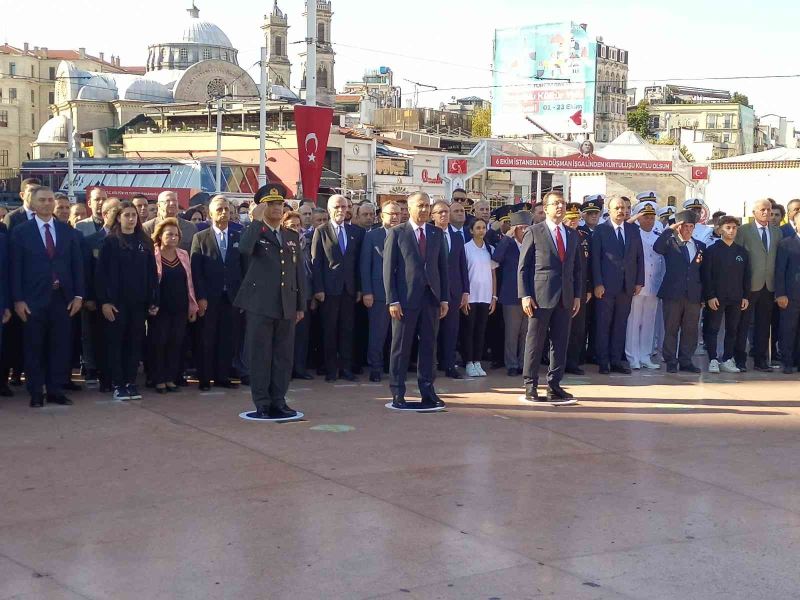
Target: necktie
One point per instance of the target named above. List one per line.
(277, 233)
(685, 250)
(764, 238)
(562, 252)
(621, 240)
(49, 243)
(341, 239)
(449, 243)
(423, 244)
(223, 244)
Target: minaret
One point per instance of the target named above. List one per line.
(326, 90)
(276, 31)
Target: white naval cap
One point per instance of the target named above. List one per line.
(665, 210)
(647, 196)
(648, 207)
(693, 203)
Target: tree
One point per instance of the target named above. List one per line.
(639, 120)
(482, 122)
(741, 99)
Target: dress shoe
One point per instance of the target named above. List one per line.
(399, 402)
(173, 389)
(672, 368)
(330, 378)
(304, 376)
(431, 400)
(574, 371)
(557, 400)
(531, 393)
(245, 380)
(603, 370)
(453, 373)
(161, 390)
(764, 368)
(621, 368)
(16, 381)
(348, 376)
(556, 391)
(742, 367)
(284, 412)
(71, 386)
(262, 412)
(690, 368)
(226, 383)
(59, 399)
(375, 376)
(205, 386)
(37, 401)
(181, 381)
(5, 391)
(511, 372)
(788, 370)
(91, 377)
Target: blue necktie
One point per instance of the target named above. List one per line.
(341, 239)
(685, 250)
(764, 238)
(621, 240)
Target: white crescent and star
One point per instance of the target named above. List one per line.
(312, 137)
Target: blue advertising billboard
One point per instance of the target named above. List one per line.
(545, 72)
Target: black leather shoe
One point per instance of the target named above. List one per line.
(432, 401)
(162, 390)
(205, 386)
(574, 371)
(692, 369)
(621, 368)
(281, 413)
(788, 370)
(557, 391)
(59, 399)
(399, 402)
(742, 367)
(375, 376)
(71, 386)
(348, 376)
(531, 393)
(304, 376)
(453, 374)
(37, 401)
(672, 368)
(227, 383)
(604, 370)
(245, 380)
(6, 392)
(764, 368)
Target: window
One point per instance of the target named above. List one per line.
(184, 55)
(33, 97)
(321, 33)
(12, 69)
(622, 56)
(322, 77)
(727, 121)
(33, 123)
(711, 121)
(655, 122)
(603, 52)
(613, 54)
(33, 73)
(278, 46)
(51, 98)
(3, 118)
(206, 54)
(225, 55)
(3, 158)
(52, 73)
(726, 137)
(12, 93)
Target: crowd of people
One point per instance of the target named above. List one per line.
(258, 293)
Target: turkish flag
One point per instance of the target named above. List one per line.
(313, 124)
(457, 166)
(577, 118)
(699, 172)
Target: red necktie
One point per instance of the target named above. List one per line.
(423, 244)
(562, 253)
(50, 245)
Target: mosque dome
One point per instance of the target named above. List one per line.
(54, 131)
(198, 31)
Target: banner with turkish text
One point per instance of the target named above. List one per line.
(580, 162)
(313, 125)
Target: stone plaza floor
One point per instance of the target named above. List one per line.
(655, 487)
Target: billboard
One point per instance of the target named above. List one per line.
(545, 72)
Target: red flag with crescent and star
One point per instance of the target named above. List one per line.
(313, 125)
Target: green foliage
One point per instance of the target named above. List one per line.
(639, 120)
(741, 99)
(482, 122)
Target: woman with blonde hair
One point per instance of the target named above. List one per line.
(177, 306)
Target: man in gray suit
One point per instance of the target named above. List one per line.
(93, 224)
(761, 240)
(550, 284)
(273, 295)
(168, 207)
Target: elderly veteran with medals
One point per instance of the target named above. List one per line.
(273, 295)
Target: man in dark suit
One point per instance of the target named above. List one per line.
(273, 294)
(94, 223)
(788, 228)
(417, 291)
(787, 297)
(458, 222)
(335, 255)
(681, 291)
(549, 284)
(47, 286)
(618, 273)
(458, 286)
(217, 275)
(591, 209)
(25, 212)
(373, 292)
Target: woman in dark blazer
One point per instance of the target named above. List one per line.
(126, 282)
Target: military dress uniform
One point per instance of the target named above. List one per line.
(640, 336)
(272, 294)
(577, 334)
(592, 203)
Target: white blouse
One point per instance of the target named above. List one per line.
(479, 266)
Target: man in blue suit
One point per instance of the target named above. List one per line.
(373, 293)
(681, 291)
(618, 273)
(47, 286)
(787, 295)
(417, 291)
(458, 285)
(788, 228)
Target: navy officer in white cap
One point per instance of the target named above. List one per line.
(702, 232)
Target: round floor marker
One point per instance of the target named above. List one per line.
(251, 416)
(544, 402)
(415, 407)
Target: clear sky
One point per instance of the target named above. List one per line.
(450, 42)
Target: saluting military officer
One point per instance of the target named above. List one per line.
(591, 211)
(640, 337)
(702, 232)
(273, 294)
